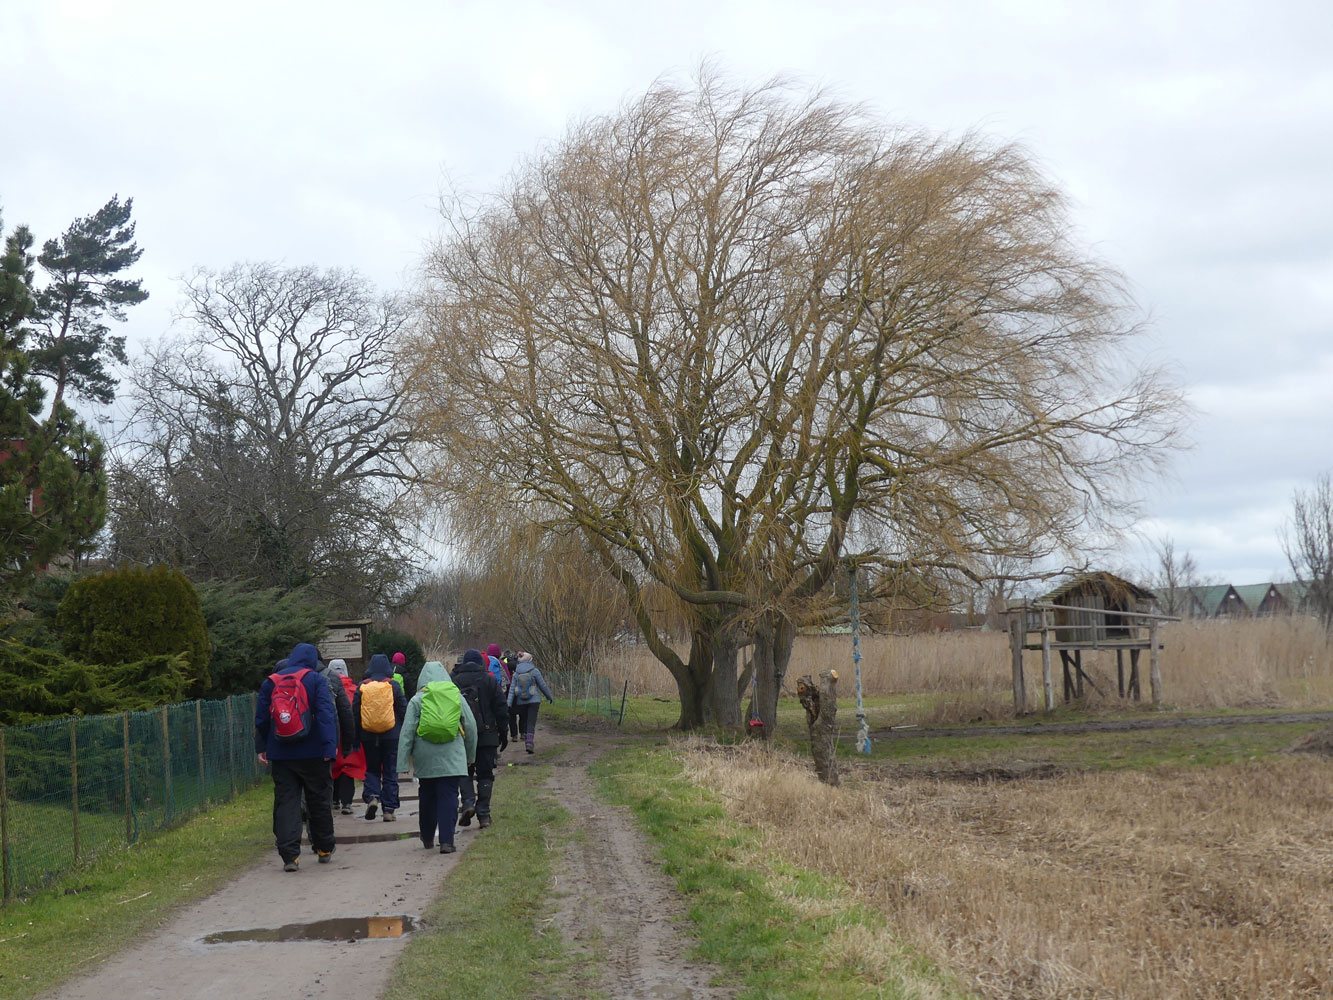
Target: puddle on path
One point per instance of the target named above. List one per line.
(336, 929)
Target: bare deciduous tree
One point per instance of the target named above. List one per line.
(267, 441)
(1308, 543)
(747, 335)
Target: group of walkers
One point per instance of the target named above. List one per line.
(319, 732)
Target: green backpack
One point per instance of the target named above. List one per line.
(441, 712)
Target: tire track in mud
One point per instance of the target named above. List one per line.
(1124, 725)
(615, 905)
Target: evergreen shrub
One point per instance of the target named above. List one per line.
(127, 614)
(251, 630)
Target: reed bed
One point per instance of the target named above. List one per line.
(1284, 662)
(1200, 884)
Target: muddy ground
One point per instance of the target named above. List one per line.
(613, 902)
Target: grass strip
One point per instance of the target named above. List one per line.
(785, 933)
(99, 909)
(488, 935)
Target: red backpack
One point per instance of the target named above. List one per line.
(290, 706)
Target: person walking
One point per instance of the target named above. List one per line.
(526, 690)
(296, 736)
(483, 695)
(349, 766)
(378, 711)
(438, 742)
(510, 660)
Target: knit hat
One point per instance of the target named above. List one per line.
(473, 656)
(399, 659)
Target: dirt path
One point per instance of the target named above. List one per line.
(383, 878)
(1125, 725)
(614, 901)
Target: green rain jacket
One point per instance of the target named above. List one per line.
(435, 760)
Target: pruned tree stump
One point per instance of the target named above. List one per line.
(821, 714)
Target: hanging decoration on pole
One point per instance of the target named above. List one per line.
(862, 727)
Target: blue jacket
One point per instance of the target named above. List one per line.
(379, 669)
(322, 740)
(538, 684)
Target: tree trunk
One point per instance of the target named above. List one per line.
(726, 702)
(694, 686)
(766, 682)
(821, 714)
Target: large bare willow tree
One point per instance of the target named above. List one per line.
(739, 337)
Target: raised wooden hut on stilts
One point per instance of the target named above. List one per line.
(1094, 611)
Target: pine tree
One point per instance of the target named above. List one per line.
(52, 488)
(84, 288)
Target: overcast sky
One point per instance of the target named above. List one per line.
(1194, 139)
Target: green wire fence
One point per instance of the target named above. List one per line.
(75, 788)
(588, 692)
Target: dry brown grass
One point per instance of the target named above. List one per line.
(1273, 662)
(1209, 883)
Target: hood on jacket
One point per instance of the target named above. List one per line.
(379, 669)
(338, 667)
(431, 672)
(399, 660)
(303, 656)
(473, 656)
(494, 650)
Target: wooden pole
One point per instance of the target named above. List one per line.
(166, 764)
(6, 872)
(1134, 675)
(199, 740)
(231, 758)
(74, 780)
(129, 803)
(1066, 676)
(1078, 673)
(1154, 667)
(1120, 670)
(1046, 664)
(1016, 655)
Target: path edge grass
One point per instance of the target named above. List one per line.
(488, 935)
(771, 926)
(100, 908)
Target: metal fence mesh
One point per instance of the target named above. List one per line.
(589, 692)
(72, 789)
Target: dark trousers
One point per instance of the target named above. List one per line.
(479, 793)
(344, 787)
(527, 717)
(438, 805)
(515, 715)
(381, 769)
(293, 781)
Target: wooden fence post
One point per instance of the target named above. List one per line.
(74, 780)
(166, 764)
(231, 759)
(199, 739)
(1046, 663)
(6, 873)
(1154, 668)
(129, 802)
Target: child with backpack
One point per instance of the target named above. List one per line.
(438, 741)
(526, 690)
(349, 766)
(482, 692)
(377, 712)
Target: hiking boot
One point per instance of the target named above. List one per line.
(346, 810)
(371, 808)
(465, 817)
(428, 844)
(447, 848)
(389, 817)
(325, 856)
(483, 822)
(529, 749)
(292, 865)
